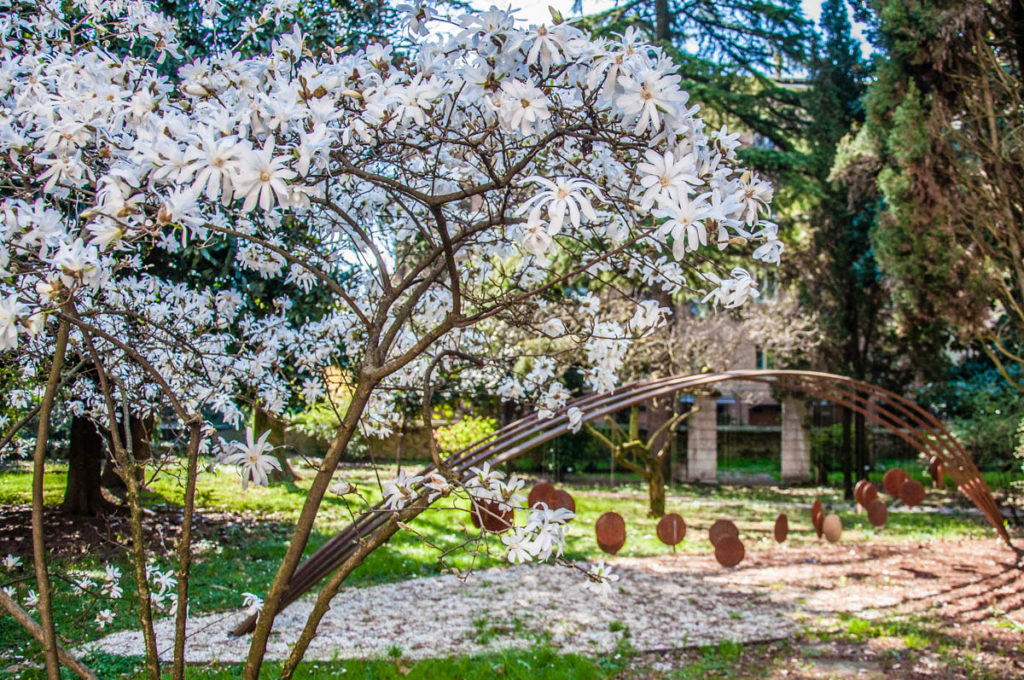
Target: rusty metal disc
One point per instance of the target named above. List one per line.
(492, 516)
(832, 527)
(563, 499)
(893, 480)
(611, 532)
(542, 492)
(729, 551)
(720, 529)
(865, 492)
(671, 529)
(858, 490)
(912, 493)
(781, 527)
(936, 472)
(817, 515)
(868, 494)
(878, 514)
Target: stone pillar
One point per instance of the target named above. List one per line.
(796, 441)
(702, 441)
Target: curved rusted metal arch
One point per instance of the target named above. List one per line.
(900, 415)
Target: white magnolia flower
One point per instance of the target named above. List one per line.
(523, 106)
(649, 314)
(728, 142)
(547, 47)
(163, 580)
(685, 224)
(438, 485)
(253, 459)
(212, 162)
(110, 588)
(650, 95)
(77, 262)
(553, 328)
(104, 618)
(733, 291)
(666, 178)
(754, 196)
(517, 543)
(32, 599)
(252, 603)
(558, 197)
(483, 482)
(342, 487)
(575, 419)
(11, 562)
(399, 492)
(263, 178)
(84, 582)
(600, 579)
(415, 18)
(536, 240)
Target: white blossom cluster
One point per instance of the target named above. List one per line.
(403, 201)
(105, 587)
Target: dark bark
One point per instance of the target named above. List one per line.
(847, 455)
(655, 489)
(663, 30)
(860, 439)
(141, 448)
(86, 453)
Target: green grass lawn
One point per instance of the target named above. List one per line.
(244, 555)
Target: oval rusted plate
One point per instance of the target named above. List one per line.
(671, 529)
(936, 471)
(729, 551)
(859, 490)
(720, 529)
(912, 493)
(563, 499)
(817, 515)
(781, 527)
(832, 527)
(868, 494)
(893, 480)
(878, 514)
(542, 492)
(492, 516)
(611, 532)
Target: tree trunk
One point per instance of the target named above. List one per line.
(86, 453)
(263, 421)
(655, 489)
(663, 21)
(847, 455)
(861, 444)
(141, 448)
(659, 412)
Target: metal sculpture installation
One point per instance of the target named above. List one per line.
(901, 416)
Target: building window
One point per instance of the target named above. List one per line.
(765, 359)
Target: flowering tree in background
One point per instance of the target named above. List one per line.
(472, 184)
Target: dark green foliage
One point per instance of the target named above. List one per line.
(983, 409)
(737, 61)
(346, 23)
(943, 138)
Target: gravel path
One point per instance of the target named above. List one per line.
(666, 603)
(667, 607)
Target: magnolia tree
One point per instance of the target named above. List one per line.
(477, 181)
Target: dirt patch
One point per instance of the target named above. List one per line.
(69, 535)
(946, 609)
